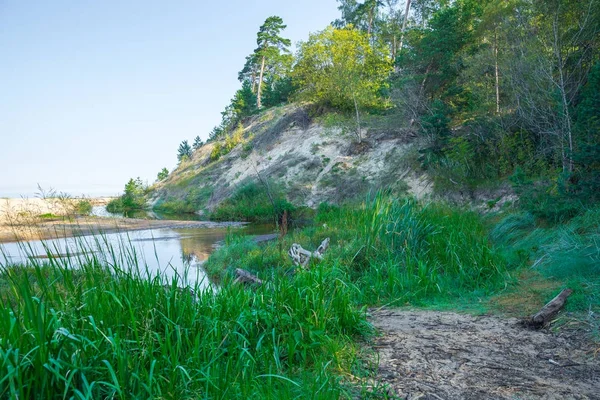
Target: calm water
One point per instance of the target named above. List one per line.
(169, 252)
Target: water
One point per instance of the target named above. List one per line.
(168, 252)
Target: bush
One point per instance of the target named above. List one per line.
(251, 203)
(132, 199)
(193, 201)
(83, 207)
(545, 198)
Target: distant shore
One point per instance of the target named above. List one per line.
(35, 219)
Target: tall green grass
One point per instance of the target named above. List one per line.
(251, 202)
(90, 331)
(395, 251)
(568, 253)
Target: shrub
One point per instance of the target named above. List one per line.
(132, 199)
(251, 203)
(83, 207)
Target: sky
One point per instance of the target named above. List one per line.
(93, 93)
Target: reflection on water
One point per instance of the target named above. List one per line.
(168, 252)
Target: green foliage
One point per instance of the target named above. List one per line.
(545, 198)
(96, 332)
(568, 253)
(184, 152)
(162, 175)
(216, 152)
(394, 251)
(236, 137)
(586, 177)
(251, 203)
(83, 207)
(132, 199)
(278, 92)
(394, 254)
(231, 141)
(340, 67)
(194, 200)
(244, 101)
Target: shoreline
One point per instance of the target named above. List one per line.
(83, 226)
(22, 220)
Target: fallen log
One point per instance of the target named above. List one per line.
(301, 257)
(545, 315)
(247, 278)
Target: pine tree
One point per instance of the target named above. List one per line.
(270, 48)
(197, 143)
(184, 152)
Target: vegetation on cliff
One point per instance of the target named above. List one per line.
(493, 92)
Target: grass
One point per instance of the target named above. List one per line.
(93, 327)
(251, 203)
(393, 251)
(555, 256)
(90, 331)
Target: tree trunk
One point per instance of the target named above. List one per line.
(358, 134)
(566, 128)
(404, 25)
(260, 79)
(496, 71)
(425, 79)
(370, 23)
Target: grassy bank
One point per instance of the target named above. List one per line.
(395, 252)
(553, 256)
(89, 333)
(252, 203)
(103, 332)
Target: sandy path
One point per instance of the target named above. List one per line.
(443, 355)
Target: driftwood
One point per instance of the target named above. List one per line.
(301, 257)
(247, 278)
(548, 312)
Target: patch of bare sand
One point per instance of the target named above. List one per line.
(14, 208)
(443, 355)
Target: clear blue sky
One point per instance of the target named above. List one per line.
(95, 92)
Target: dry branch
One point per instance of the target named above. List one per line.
(301, 257)
(548, 312)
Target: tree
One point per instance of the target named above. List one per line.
(363, 16)
(197, 143)
(162, 175)
(270, 48)
(548, 69)
(340, 68)
(133, 198)
(244, 102)
(184, 152)
(250, 71)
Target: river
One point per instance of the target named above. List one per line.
(168, 252)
